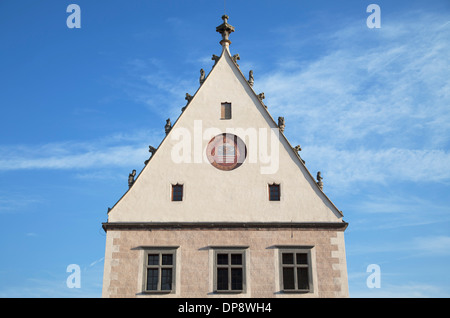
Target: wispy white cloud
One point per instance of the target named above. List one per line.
(54, 284)
(113, 156)
(416, 247)
(395, 90)
(373, 106)
(149, 82)
(400, 205)
(342, 168)
(11, 202)
(387, 209)
(112, 151)
(433, 245)
(96, 261)
(405, 290)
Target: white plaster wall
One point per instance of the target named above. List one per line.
(212, 195)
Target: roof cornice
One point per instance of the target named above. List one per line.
(335, 226)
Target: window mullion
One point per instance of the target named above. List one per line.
(230, 285)
(294, 256)
(158, 288)
(295, 277)
(229, 278)
(159, 270)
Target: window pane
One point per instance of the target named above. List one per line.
(236, 259)
(177, 192)
(274, 192)
(222, 259)
(236, 278)
(152, 279)
(302, 258)
(225, 111)
(288, 278)
(302, 278)
(166, 279)
(167, 259)
(222, 279)
(288, 258)
(153, 259)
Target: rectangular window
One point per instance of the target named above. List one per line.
(159, 271)
(177, 192)
(229, 270)
(274, 192)
(295, 266)
(225, 111)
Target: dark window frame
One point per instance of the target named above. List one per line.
(177, 195)
(225, 111)
(274, 192)
(229, 267)
(296, 266)
(160, 266)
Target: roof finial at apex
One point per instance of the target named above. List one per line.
(225, 29)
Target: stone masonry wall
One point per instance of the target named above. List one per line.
(124, 260)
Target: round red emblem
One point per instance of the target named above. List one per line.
(226, 152)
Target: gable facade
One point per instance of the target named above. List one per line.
(225, 205)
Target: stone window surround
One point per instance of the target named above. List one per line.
(230, 250)
(159, 250)
(309, 251)
(245, 250)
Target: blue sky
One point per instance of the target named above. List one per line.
(79, 107)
